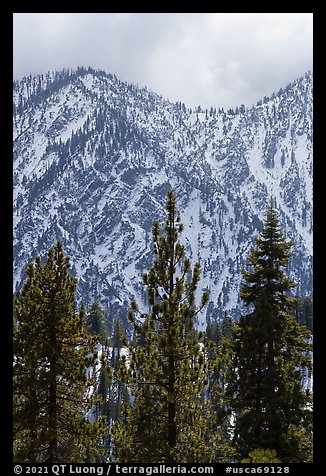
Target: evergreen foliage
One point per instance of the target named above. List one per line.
(262, 456)
(173, 394)
(110, 392)
(216, 333)
(96, 322)
(118, 338)
(168, 419)
(304, 312)
(53, 354)
(118, 341)
(268, 355)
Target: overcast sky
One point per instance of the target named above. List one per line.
(218, 59)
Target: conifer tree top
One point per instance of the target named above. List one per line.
(268, 260)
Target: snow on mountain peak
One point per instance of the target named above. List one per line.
(95, 156)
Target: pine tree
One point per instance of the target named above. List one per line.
(110, 392)
(118, 341)
(168, 421)
(304, 312)
(227, 325)
(216, 333)
(96, 322)
(52, 356)
(105, 406)
(269, 353)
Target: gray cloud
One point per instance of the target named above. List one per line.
(220, 59)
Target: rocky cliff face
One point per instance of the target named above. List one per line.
(94, 158)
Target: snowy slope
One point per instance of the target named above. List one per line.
(94, 158)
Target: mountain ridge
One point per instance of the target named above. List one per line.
(95, 156)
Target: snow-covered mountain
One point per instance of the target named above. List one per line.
(95, 156)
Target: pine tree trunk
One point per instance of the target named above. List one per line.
(33, 430)
(172, 430)
(53, 440)
(53, 413)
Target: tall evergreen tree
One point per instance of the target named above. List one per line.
(214, 335)
(117, 340)
(168, 421)
(304, 312)
(52, 353)
(110, 392)
(269, 353)
(118, 389)
(227, 325)
(96, 322)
